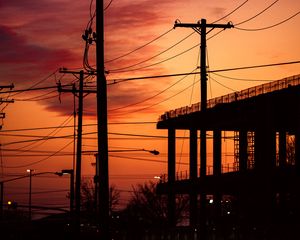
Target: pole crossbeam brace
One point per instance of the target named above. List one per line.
(11, 86)
(6, 100)
(64, 70)
(207, 25)
(59, 89)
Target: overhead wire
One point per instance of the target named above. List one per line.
(118, 70)
(168, 31)
(268, 27)
(210, 71)
(223, 85)
(230, 13)
(256, 15)
(41, 160)
(157, 103)
(243, 79)
(140, 47)
(38, 98)
(71, 126)
(149, 98)
(35, 84)
(108, 5)
(51, 134)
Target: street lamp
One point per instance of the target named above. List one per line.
(30, 183)
(31, 174)
(71, 172)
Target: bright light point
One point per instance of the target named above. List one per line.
(228, 213)
(157, 177)
(9, 202)
(211, 201)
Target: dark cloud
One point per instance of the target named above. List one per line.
(128, 25)
(19, 54)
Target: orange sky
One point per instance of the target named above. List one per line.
(39, 37)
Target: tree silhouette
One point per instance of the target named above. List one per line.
(147, 209)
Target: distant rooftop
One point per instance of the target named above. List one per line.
(236, 96)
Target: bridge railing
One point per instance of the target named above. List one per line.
(184, 175)
(235, 96)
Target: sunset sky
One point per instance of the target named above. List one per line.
(39, 37)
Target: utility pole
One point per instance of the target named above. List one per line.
(80, 92)
(102, 125)
(2, 115)
(201, 28)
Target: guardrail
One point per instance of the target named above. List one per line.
(236, 96)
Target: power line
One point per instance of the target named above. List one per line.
(210, 71)
(108, 5)
(37, 83)
(52, 133)
(162, 61)
(142, 159)
(157, 94)
(157, 103)
(249, 19)
(222, 84)
(39, 98)
(41, 160)
(168, 32)
(136, 49)
(118, 70)
(234, 10)
(71, 126)
(170, 58)
(268, 27)
(243, 79)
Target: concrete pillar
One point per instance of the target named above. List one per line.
(193, 177)
(171, 176)
(217, 167)
(203, 204)
(265, 163)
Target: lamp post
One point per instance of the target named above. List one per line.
(30, 186)
(30, 175)
(71, 173)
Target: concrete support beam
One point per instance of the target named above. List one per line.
(171, 176)
(193, 177)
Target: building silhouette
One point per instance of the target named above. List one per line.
(259, 196)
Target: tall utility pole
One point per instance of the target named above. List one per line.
(201, 28)
(102, 125)
(79, 146)
(80, 92)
